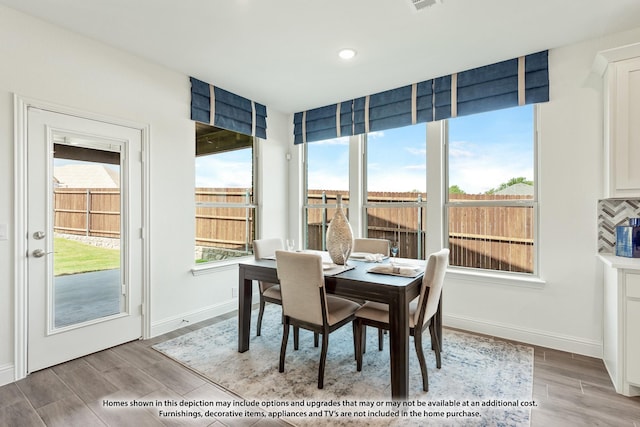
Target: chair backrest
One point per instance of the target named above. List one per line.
(372, 246)
(301, 285)
(432, 283)
(266, 247)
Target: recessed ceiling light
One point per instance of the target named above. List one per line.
(347, 53)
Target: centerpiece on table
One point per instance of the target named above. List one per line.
(339, 236)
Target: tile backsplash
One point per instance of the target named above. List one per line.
(611, 213)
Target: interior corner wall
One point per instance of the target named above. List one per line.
(45, 62)
(566, 312)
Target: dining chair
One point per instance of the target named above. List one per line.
(421, 312)
(372, 246)
(306, 305)
(269, 292)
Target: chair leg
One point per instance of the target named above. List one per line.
(380, 339)
(315, 339)
(296, 337)
(323, 358)
(360, 332)
(260, 314)
(283, 346)
(435, 345)
(417, 339)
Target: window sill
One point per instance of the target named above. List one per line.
(497, 278)
(216, 267)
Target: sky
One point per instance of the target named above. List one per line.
(485, 150)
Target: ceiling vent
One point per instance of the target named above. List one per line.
(423, 4)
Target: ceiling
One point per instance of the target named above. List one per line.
(283, 53)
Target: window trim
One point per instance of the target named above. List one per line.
(534, 276)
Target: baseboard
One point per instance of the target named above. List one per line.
(184, 319)
(528, 336)
(7, 374)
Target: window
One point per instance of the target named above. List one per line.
(225, 205)
(491, 206)
(395, 183)
(327, 175)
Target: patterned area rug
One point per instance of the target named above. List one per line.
(482, 381)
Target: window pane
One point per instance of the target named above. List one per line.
(491, 203)
(225, 211)
(493, 238)
(492, 153)
(396, 166)
(328, 169)
(405, 225)
(396, 162)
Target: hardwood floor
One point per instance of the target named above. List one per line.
(570, 390)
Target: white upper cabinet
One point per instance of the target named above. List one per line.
(621, 72)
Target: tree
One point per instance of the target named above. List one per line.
(454, 189)
(512, 181)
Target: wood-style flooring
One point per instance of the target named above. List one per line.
(570, 390)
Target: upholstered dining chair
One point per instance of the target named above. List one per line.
(306, 305)
(372, 246)
(269, 292)
(421, 312)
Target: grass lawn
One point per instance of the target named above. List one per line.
(74, 257)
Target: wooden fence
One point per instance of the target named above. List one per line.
(229, 227)
(87, 211)
(497, 238)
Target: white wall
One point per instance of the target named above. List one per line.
(47, 63)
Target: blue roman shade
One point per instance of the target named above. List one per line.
(519, 81)
(331, 121)
(221, 108)
(536, 77)
(442, 97)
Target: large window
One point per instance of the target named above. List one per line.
(327, 176)
(489, 169)
(225, 206)
(395, 183)
(491, 204)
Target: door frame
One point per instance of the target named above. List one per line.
(20, 273)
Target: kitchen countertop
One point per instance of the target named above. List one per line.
(620, 262)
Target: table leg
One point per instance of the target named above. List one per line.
(245, 290)
(399, 346)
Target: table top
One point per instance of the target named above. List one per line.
(357, 274)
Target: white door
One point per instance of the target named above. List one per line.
(84, 226)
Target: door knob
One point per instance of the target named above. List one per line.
(39, 235)
(39, 253)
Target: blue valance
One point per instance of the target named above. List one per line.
(331, 121)
(230, 111)
(519, 81)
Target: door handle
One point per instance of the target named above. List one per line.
(39, 235)
(39, 253)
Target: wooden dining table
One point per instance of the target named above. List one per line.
(396, 291)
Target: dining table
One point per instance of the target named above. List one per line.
(357, 282)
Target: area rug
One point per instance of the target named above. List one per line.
(482, 381)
